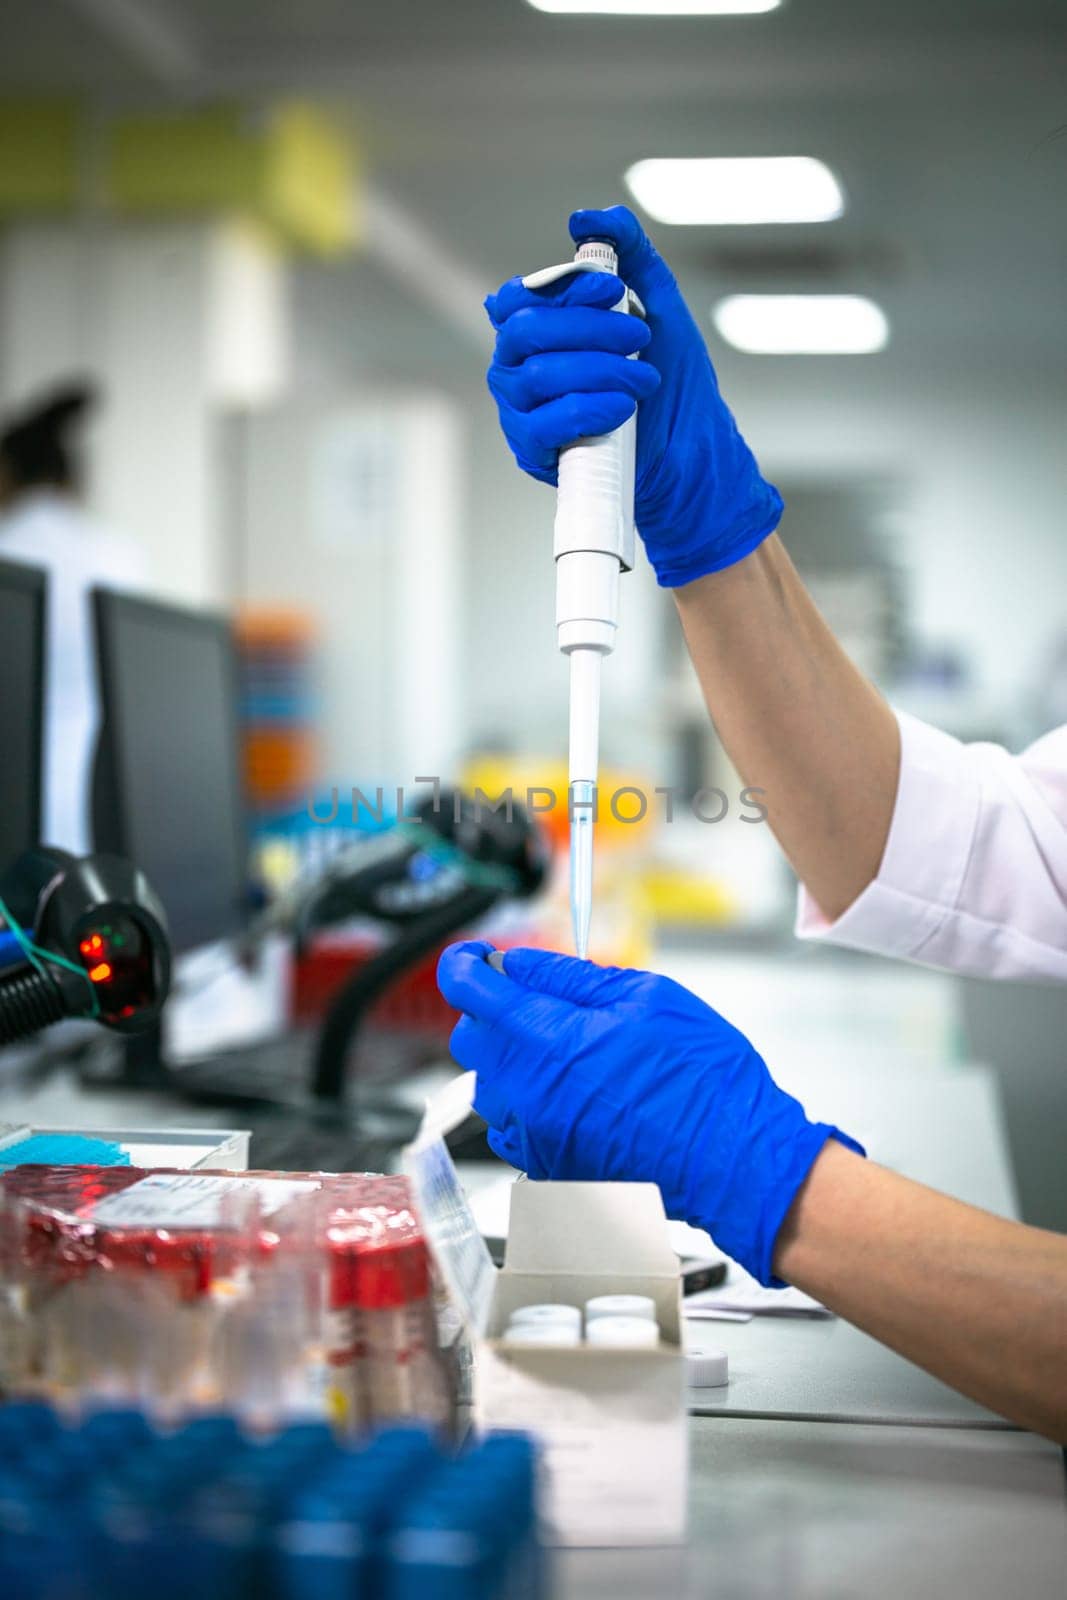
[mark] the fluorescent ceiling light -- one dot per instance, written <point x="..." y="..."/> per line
<point x="660" y="8"/>
<point x="749" y="189"/>
<point x="802" y="324"/>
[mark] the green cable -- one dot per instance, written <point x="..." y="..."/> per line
<point x="35" y="955"/>
<point x="24" y="944"/>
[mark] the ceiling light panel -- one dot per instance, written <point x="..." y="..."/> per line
<point x="658" y="8"/>
<point x="736" y="191"/>
<point x="802" y="324"/>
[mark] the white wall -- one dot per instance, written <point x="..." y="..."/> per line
<point x="982" y="461"/>
<point x="148" y="313"/>
<point x="352" y="513"/>
<point x="157" y="472"/>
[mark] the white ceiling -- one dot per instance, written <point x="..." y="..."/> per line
<point x="492" y="120"/>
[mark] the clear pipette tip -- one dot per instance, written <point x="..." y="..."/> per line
<point x="583" y="800"/>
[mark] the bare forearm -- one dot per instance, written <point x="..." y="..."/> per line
<point x="979" y="1302"/>
<point x="797" y="719"/>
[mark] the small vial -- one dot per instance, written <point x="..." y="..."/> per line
<point x="632" y="1333"/>
<point x="620" y="1305"/>
<point x="570" y="1316"/>
<point x="557" y="1335"/>
<point x="707" y="1367"/>
<point x="401" y="1366"/>
<point x="381" y="1341"/>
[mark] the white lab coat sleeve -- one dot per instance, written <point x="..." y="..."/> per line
<point x="974" y="876"/>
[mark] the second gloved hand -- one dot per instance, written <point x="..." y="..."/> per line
<point x="594" y="1073"/>
<point x="560" y="373"/>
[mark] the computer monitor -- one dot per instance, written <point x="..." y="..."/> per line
<point x="22" y="656"/>
<point x="167" y="790"/>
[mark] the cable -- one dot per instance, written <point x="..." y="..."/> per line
<point x="35" y="954"/>
<point x="31" y="1002"/>
<point x="351" y="1003"/>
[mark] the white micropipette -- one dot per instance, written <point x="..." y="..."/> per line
<point x="594" y="542"/>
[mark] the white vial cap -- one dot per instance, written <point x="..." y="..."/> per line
<point x="621" y="1305"/>
<point x="707" y="1367"/>
<point x="634" y="1333"/>
<point x="552" y="1334"/>
<point x="546" y="1313"/>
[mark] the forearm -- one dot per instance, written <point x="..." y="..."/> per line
<point x="979" y="1302"/>
<point x="797" y="719"/>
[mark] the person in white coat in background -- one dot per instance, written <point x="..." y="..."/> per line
<point x="43" y="524"/>
<point x="906" y="841"/>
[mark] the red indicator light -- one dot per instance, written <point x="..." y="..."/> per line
<point x="101" y="972"/>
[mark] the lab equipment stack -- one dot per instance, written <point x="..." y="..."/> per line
<point x="109" y="1504"/>
<point x="278" y="1295"/>
<point x="321" y="1307"/>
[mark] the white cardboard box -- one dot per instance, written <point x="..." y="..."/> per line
<point x="612" y="1423"/>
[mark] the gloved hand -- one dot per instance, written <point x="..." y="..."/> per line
<point x="589" y="1072"/>
<point x="560" y="372"/>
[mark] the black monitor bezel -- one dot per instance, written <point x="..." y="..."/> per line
<point x="110" y="607"/>
<point x="33" y="581"/>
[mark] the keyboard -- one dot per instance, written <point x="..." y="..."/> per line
<point x="273" y="1072"/>
<point x="298" y="1144"/>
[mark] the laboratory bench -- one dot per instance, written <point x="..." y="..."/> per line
<point x="829" y="1466"/>
<point x="850" y="1511"/>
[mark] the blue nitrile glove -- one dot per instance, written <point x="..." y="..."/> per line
<point x="560" y="373"/>
<point x="597" y="1073"/>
